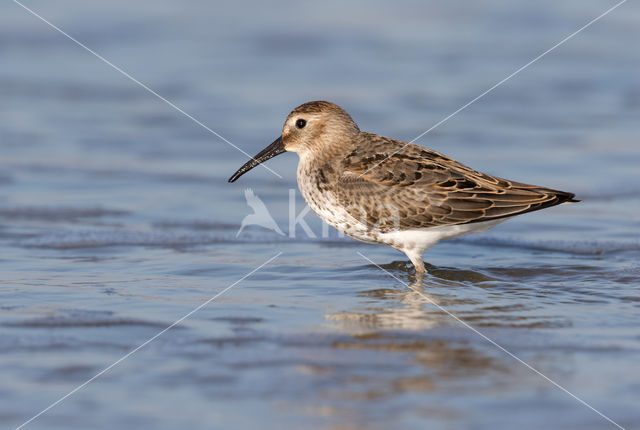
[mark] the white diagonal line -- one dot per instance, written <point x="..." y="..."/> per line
<point x="151" y="339"/>
<point x="493" y="342"/>
<point x="170" y="103"/>
<point x="472" y="101"/>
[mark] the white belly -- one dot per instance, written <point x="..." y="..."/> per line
<point x="420" y="240"/>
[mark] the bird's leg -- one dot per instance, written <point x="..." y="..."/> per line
<point x="416" y="258"/>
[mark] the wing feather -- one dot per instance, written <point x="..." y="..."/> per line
<point x="399" y="185"/>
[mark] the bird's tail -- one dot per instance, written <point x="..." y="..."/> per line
<point x="566" y="197"/>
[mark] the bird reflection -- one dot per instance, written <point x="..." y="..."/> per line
<point x="403" y="320"/>
<point x="410" y="316"/>
<point x="418" y="308"/>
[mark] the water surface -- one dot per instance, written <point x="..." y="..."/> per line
<point x="116" y="219"/>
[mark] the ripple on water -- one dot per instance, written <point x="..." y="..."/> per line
<point x="83" y="318"/>
<point x="578" y="247"/>
<point x="56" y="213"/>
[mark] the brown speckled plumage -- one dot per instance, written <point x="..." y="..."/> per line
<point x="428" y="189"/>
<point x="382" y="190"/>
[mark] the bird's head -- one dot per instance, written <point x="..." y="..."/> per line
<point x="310" y="128"/>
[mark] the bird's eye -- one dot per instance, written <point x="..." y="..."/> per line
<point x="301" y="123"/>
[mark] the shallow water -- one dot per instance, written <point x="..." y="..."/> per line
<point x="116" y="219"/>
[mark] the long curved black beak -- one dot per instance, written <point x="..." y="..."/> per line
<point x="276" y="148"/>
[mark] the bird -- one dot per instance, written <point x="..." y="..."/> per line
<point x="386" y="191"/>
<point x="260" y="215"/>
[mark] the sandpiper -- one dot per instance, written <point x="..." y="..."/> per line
<point x="386" y="191"/>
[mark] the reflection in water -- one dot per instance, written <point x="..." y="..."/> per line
<point x="410" y="315"/>
<point x="410" y="320"/>
<point x="402" y="321"/>
<point x="439" y="360"/>
<point x="411" y="306"/>
<point x="402" y="324"/>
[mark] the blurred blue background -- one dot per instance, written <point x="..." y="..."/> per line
<point x="116" y="218"/>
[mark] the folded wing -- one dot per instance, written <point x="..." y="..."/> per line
<point x="390" y="184"/>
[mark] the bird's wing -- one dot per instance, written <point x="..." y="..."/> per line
<point x="391" y="184"/>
